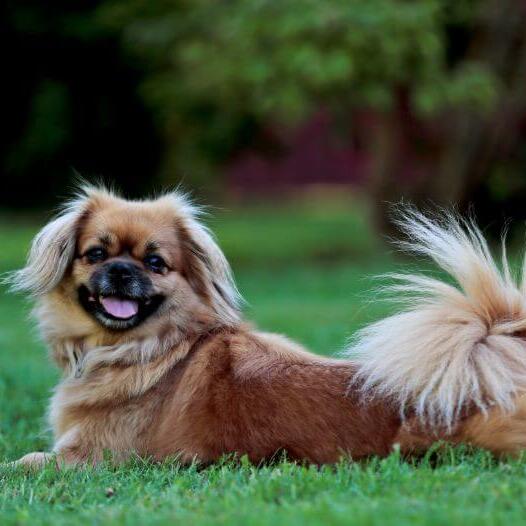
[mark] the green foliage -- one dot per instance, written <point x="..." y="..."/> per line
<point x="281" y="58"/>
<point x="214" y="68"/>
<point x="131" y="88"/>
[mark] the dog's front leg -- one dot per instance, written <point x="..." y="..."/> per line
<point x="74" y="448"/>
<point x="36" y="460"/>
<point x="69" y="450"/>
<point x="61" y="459"/>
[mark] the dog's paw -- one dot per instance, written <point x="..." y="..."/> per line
<point x="35" y="460"/>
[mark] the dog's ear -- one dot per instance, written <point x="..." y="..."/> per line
<point x="51" y="253"/>
<point x="53" y="248"/>
<point x="204" y="264"/>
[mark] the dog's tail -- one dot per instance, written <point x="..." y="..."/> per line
<point x="454" y="346"/>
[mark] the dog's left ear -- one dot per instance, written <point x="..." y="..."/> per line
<point x="204" y="264"/>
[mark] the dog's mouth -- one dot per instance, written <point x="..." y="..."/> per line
<point x="118" y="308"/>
<point x="118" y="312"/>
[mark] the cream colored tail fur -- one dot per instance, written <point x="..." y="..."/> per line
<point x="454" y="346"/>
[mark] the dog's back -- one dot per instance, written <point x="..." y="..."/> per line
<point x="257" y="394"/>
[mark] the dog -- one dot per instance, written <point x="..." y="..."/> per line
<point x="139" y="308"/>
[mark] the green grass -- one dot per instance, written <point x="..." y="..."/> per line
<point x="305" y="271"/>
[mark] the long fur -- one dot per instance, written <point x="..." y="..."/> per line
<point x="210" y="262"/>
<point x="455" y="347"/>
<point x="51" y="253"/>
<point x="53" y="248"/>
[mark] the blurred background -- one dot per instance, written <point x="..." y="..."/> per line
<point x="247" y="100"/>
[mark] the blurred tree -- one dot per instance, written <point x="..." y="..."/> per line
<point x="434" y="72"/>
<point x="442" y="81"/>
<point x="219" y="72"/>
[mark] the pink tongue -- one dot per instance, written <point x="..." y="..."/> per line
<point x="120" y="308"/>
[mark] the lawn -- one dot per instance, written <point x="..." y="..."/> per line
<point x="305" y="270"/>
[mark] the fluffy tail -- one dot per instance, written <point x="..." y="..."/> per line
<point x="454" y="346"/>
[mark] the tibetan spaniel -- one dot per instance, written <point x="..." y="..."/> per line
<point x="139" y="309"/>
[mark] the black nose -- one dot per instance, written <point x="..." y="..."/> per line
<point x="121" y="271"/>
<point x="121" y="278"/>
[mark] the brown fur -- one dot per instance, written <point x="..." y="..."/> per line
<point x="497" y="431"/>
<point x="214" y="401"/>
<point x="193" y="380"/>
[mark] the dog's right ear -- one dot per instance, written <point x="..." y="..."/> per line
<point x="53" y="248"/>
<point x="51" y="253"/>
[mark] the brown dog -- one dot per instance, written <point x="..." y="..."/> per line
<point x="138" y="306"/>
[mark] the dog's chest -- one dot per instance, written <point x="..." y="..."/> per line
<point x="117" y="426"/>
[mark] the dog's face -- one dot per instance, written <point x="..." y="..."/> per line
<point x="130" y="266"/>
<point x="130" y="260"/>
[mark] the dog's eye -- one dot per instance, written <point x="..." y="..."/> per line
<point x="94" y="255"/>
<point x="155" y="263"/>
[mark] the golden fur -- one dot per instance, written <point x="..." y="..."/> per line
<point x="454" y="348"/>
<point x="194" y="381"/>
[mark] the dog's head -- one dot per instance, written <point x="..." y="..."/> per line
<point x="118" y="266"/>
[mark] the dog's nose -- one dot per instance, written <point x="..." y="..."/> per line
<point x="121" y="271"/>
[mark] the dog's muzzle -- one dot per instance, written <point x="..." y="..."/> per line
<point x="120" y="295"/>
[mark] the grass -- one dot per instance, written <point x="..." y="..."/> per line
<point x="305" y="271"/>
